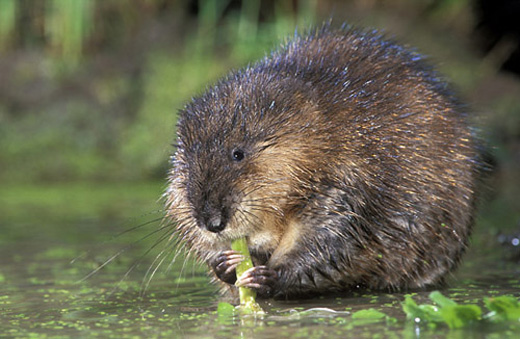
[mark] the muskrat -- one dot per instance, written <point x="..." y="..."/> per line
<point x="343" y="158"/>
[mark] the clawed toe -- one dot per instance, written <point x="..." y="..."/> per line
<point x="260" y="278"/>
<point x="225" y="265"/>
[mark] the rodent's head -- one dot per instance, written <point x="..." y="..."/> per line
<point x="245" y="151"/>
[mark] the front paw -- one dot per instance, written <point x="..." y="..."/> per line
<point x="225" y="265"/>
<point x="260" y="278"/>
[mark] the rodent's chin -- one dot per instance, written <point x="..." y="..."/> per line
<point x="262" y="239"/>
<point x="224" y="237"/>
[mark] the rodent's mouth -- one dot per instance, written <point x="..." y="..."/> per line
<point x="220" y="233"/>
<point x="224" y="224"/>
<point x="224" y="237"/>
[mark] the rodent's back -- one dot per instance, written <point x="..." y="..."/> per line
<point x="342" y="157"/>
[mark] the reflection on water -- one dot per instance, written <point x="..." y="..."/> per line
<point x="42" y="292"/>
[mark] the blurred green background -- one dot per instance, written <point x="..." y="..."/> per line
<point x="89" y="95"/>
<point x="89" y="90"/>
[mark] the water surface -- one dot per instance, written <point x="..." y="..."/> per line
<point x="44" y="294"/>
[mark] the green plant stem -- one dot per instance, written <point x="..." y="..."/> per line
<point x="247" y="296"/>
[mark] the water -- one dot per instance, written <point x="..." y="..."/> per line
<point x="42" y="293"/>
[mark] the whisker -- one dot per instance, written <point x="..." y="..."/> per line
<point x="190" y="250"/>
<point x="179" y="246"/>
<point x="132" y="229"/>
<point x="151" y="275"/>
<point x="139" y="260"/>
<point x="110" y="259"/>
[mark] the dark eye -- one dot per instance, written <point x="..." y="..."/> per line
<point x="237" y="154"/>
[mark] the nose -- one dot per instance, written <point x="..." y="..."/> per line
<point x="213" y="214"/>
<point x="215" y="224"/>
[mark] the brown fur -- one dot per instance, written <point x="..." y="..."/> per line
<point x="358" y="169"/>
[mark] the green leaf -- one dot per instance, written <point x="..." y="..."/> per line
<point x="426" y="313"/>
<point x="225" y="313"/>
<point x="368" y="314"/>
<point x="225" y="309"/>
<point x="503" y="308"/>
<point x="461" y="315"/>
<point x="453" y="314"/>
<point x="438" y="298"/>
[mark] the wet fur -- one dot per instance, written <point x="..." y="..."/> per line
<point x="359" y="166"/>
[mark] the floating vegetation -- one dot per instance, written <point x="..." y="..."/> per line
<point x="448" y="312"/>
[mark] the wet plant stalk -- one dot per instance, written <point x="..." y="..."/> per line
<point x="247" y="296"/>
